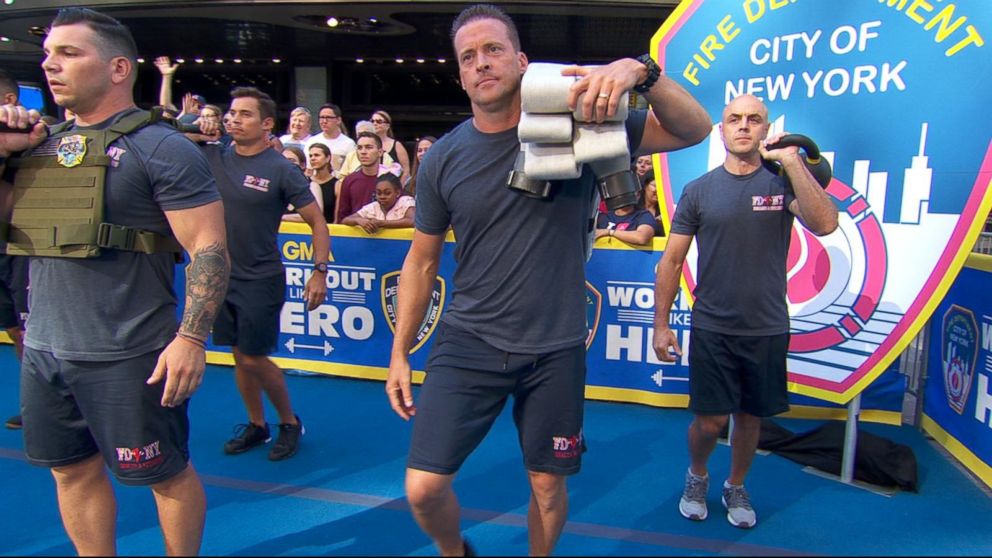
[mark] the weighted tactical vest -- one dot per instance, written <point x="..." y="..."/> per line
<point x="58" y="197"/>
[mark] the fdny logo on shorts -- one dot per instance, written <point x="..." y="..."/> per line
<point x="256" y="183"/>
<point x="390" y="286"/>
<point x="958" y="353"/>
<point x="767" y="203"/>
<point x="568" y="447"/>
<point x="71" y="150"/>
<point x="140" y="457"/>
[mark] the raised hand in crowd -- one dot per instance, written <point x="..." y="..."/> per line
<point x="165" y="67"/>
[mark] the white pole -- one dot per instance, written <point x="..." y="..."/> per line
<point x="850" y="440"/>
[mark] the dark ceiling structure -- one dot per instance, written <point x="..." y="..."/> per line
<point x="375" y="54"/>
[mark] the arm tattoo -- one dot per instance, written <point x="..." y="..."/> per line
<point x="206" y="287"/>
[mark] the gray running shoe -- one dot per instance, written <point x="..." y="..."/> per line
<point x="692" y="505"/>
<point x="739" y="511"/>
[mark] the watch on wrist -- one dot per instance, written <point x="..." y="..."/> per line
<point x="654" y="72"/>
<point x="321" y="267"/>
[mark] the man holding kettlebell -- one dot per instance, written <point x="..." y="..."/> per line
<point x="742" y="215"/>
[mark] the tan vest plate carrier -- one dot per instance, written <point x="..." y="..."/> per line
<point x="58" y="211"/>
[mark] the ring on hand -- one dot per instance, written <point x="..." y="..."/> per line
<point x="604" y="95"/>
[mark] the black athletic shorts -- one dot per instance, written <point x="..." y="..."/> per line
<point x="13" y="291"/>
<point x="73" y="409"/>
<point x="731" y="373"/>
<point x="468" y="382"/>
<point x="249" y="317"/>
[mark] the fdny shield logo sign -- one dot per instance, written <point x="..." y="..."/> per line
<point x="912" y="173"/>
<point x="71" y="150"/>
<point x="390" y="285"/>
<point x="594" y="310"/>
<point x="958" y="354"/>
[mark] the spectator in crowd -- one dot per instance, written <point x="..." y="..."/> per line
<point x="383" y="125"/>
<point x="332" y="134"/>
<point x="423" y="145"/>
<point x="192" y="105"/>
<point x="13" y="269"/>
<point x="168" y="71"/>
<point x="324" y="180"/>
<point x="631" y="224"/>
<point x="9" y="89"/>
<point x="213" y="113"/>
<point x="392" y="209"/>
<point x="299" y="128"/>
<point x="643" y="166"/>
<point x="358" y="188"/>
<point x="352" y="164"/>
<point x="106" y="376"/>
<point x="294" y="155"/>
<point x="256" y="185"/>
<point x="516" y="323"/>
<point x="649" y="193"/>
<point x="740" y="320"/>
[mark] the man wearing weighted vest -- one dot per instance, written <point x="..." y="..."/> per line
<point x="741" y="215"/>
<point x="104" y="204"/>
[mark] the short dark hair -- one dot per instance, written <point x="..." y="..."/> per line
<point x="390" y="179"/>
<point x="7" y="83"/>
<point x="378" y="140"/>
<point x="266" y="106"/>
<point x="114" y="39"/>
<point x="332" y="106"/>
<point x="486" y="11"/>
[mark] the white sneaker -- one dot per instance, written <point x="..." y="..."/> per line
<point x="739" y="511"/>
<point x="692" y="505"/>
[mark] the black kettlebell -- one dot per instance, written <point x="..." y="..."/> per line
<point x="818" y="166"/>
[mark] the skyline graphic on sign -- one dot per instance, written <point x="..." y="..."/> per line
<point x="894" y="114"/>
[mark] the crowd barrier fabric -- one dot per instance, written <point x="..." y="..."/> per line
<point x="890" y="90"/>
<point x="351" y="333"/>
<point x="958" y="396"/>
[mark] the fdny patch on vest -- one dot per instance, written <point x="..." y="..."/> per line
<point x="71" y="150"/>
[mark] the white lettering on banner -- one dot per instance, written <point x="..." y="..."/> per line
<point x="624" y="297"/>
<point x="337" y="278"/>
<point x="987" y="336"/>
<point x="837" y="81"/>
<point x="357" y="322"/>
<point x="779" y="87"/>
<point x="633" y="340"/>
<point x="845" y="38"/>
<point x="770" y="50"/>
<point x="983" y="401"/>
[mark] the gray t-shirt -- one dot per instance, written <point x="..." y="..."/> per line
<point x="742" y="226"/>
<point x="256" y="190"/>
<point x="519" y="283"/>
<point x="121" y="304"/>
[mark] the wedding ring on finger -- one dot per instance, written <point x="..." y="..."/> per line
<point x="604" y="95"/>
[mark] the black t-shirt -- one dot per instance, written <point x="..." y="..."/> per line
<point x="742" y="226"/>
<point x="255" y="191"/>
